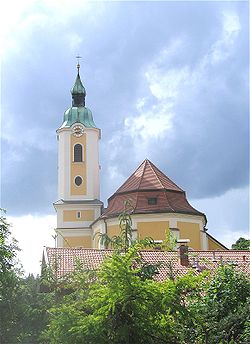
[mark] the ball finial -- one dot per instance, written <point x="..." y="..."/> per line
<point x="78" y="62"/>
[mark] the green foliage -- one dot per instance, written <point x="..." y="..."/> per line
<point x="122" y="302"/>
<point x="220" y="309"/>
<point x="120" y="307"/>
<point x="23" y="309"/>
<point x="125" y="239"/>
<point x="170" y="241"/>
<point x="8" y="245"/>
<point x="227" y="304"/>
<point x="227" y="290"/>
<point x="31" y="310"/>
<point x="9" y="281"/>
<point x="241" y="244"/>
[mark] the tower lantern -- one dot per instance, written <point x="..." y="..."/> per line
<point x="78" y="91"/>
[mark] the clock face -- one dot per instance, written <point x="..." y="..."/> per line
<point x="78" y="130"/>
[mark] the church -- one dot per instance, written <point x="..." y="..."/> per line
<point x="158" y="204"/>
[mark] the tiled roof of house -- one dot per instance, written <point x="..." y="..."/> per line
<point x="145" y="183"/>
<point x="64" y="260"/>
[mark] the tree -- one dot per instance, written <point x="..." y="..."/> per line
<point x="23" y="309"/>
<point x="124" y="303"/>
<point x="241" y="244"/>
<point x="8" y="245"/>
<point x="9" y="282"/>
<point x="120" y="307"/>
<point x="219" y="310"/>
<point x="125" y="239"/>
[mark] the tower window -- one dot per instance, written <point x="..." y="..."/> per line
<point x="78" y="214"/>
<point x="152" y="201"/>
<point x="77" y="153"/>
<point x="78" y="181"/>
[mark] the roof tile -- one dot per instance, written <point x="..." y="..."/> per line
<point x="64" y="260"/>
<point x="148" y="176"/>
<point x="149" y="182"/>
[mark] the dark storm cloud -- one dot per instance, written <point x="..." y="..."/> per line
<point x="206" y="155"/>
<point x="30" y="182"/>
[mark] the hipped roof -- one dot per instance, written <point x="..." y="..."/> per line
<point x="148" y="176"/>
<point x="149" y="182"/>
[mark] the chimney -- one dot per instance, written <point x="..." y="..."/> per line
<point x="183" y="252"/>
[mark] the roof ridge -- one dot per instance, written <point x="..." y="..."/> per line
<point x="148" y="176"/>
<point x="130" y="177"/>
<point x="151" y="166"/>
<point x="170" y="204"/>
<point x="166" y="177"/>
<point x="145" y="162"/>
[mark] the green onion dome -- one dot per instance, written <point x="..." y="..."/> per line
<point x="78" y="115"/>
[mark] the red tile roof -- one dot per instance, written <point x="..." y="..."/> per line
<point x="64" y="260"/>
<point x="146" y="177"/>
<point x="149" y="182"/>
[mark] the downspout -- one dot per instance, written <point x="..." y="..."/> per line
<point x="106" y="230"/>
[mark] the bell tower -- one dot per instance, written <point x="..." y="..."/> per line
<point x="78" y="173"/>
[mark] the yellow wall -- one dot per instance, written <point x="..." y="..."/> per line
<point x="96" y="239"/>
<point x="213" y="245"/>
<point x="190" y="231"/>
<point x="113" y="230"/>
<point x="83" y="241"/>
<point x="156" y="230"/>
<point x="78" y="168"/>
<point x="71" y="215"/>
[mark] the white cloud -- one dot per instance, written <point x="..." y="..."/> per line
<point x="228" y="215"/>
<point x="114" y="174"/>
<point x="32" y="233"/>
<point x="166" y="85"/>
<point x="169" y="52"/>
<point x="228" y="237"/>
<point x="20" y="18"/>
<point x="150" y="124"/>
<point x="74" y="41"/>
<point x="221" y="49"/>
<point x="35" y="137"/>
<point x="156" y="121"/>
<point x="231" y="25"/>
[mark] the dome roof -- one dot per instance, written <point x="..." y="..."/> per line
<point x="78" y="115"/>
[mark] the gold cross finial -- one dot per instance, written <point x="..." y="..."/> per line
<point x="78" y="60"/>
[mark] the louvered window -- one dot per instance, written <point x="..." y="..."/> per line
<point x="152" y="201"/>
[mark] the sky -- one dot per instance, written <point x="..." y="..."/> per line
<point x="167" y="81"/>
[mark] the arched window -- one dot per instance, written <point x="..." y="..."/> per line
<point x="78" y="153"/>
